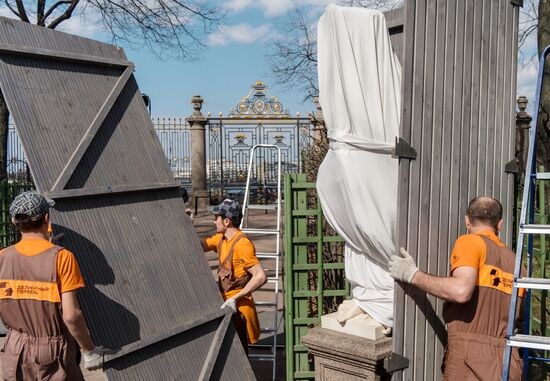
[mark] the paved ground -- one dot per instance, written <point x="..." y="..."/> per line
<point x="264" y="243"/>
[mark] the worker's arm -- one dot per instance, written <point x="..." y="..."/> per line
<point x="74" y="320"/>
<point x="258" y="280"/>
<point x="204" y="245"/>
<point x="457" y="288"/>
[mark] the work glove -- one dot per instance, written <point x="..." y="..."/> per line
<point x="402" y="267"/>
<point x="94" y="359"/>
<point x="230" y="303"/>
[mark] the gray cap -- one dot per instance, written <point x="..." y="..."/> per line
<point x="30" y="204"/>
<point x="228" y="208"/>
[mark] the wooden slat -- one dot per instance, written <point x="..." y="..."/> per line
<point x="101" y="191"/>
<point x="77" y="155"/>
<point x="214" y="350"/>
<point x="58" y="55"/>
<point x="127" y="349"/>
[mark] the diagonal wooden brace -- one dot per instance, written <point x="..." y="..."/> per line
<point x="214" y="350"/>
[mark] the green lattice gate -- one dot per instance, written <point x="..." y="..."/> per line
<point x="314" y="268"/>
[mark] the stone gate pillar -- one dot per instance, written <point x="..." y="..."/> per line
<point x="199" y="194"/>
<point x="523" y="122"/>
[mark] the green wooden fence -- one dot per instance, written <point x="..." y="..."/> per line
<point x="315" y="281"/>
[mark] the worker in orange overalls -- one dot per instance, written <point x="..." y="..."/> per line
<point x="38" y="304"/>
<point x="477" y="296"/>
<point x="240" y="272"/>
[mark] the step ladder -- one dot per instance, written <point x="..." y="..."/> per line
<point x="526" y="227"/>
<point x="273" y="257"/>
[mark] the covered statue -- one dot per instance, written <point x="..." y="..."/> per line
<point x="360" y="95"/>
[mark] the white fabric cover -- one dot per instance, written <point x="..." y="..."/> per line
<point x="360" y="95"/>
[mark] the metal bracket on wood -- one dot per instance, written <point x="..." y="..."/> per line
<point x="518" y="3"/>
<point x="403" y="150"/>
<point x="511" y="167"/>
<point x="135" y="346"/>
<point x="395" y="363"/>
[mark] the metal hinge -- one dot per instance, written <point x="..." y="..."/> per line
<point x="395" y="363"/>
<point x="511" y="166"/>
<point x="518" y="3"/>
<point x="403" y="149"/>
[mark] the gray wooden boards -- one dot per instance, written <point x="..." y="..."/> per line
<point x="395" y="20"/>
<point x="91" y="146"/>
<point x="459" y="79"/>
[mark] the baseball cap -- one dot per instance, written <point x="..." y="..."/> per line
<point x="30" y="204"/>
<point x="228" y="208"/>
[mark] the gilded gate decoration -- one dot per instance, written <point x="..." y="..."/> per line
<point x="258" y="118"/>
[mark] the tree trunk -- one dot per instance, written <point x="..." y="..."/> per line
<point x="543" y="125"/>
<point x="4" y="123"/>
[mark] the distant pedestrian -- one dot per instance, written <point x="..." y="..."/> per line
<point x="38" y="304"/>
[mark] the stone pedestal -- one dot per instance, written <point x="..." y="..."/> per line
<point x="343" y="357"/>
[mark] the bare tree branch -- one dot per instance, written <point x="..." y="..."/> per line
<point x="65" y="15"/>
<point x="40" y="21"/>
<point x="293" y="60"/>
<point x="54" y="7"/>
<point x="21" y="11"/>
<point x="10" y="7"/>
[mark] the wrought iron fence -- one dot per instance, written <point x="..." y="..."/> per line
<point x="175" y="139"/>
<point x="229" y="142"/>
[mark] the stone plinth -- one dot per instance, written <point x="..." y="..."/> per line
<point x="342" y="357"/>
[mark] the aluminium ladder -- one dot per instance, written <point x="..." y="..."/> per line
<point x="530" y="229"/>
<point x="272" y="273"/>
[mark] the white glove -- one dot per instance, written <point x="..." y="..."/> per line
<point x="230" y="303"/>
<point x="402" y="267"/>
<point x="94" y="359"/>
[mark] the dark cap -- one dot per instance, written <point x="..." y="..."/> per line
<point x="229" y="209"/>
<point x="31" y="205"/>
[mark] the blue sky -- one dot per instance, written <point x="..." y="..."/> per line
<point x="236" y="57"/>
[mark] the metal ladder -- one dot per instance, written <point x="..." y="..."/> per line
<point x="530" y="229"/>
<point x="272" y="273"/>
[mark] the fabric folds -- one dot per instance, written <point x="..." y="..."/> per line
<point x="360" y="95"/>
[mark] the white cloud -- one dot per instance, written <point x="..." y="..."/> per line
<point x="527" y="81"/>
<point x="237" y="5"/>
<point x="276" y="8"/>
<point x="241" y="33"/>
<point x="84" y="24"/>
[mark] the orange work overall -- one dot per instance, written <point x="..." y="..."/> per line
<point x="38" y="345"/>
<point x="477" y="329"/>
<point x="246" y="320"/>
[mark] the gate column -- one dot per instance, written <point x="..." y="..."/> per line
<point x="199" y="195"/>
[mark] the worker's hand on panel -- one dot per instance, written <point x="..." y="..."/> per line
<point x="402" y="267"/>
<point x="230" y="303"/>
<point x="94" y="359"/>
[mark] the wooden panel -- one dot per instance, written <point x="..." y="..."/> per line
<point x="458" y="94"/>
<point x="149" y="293"/>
